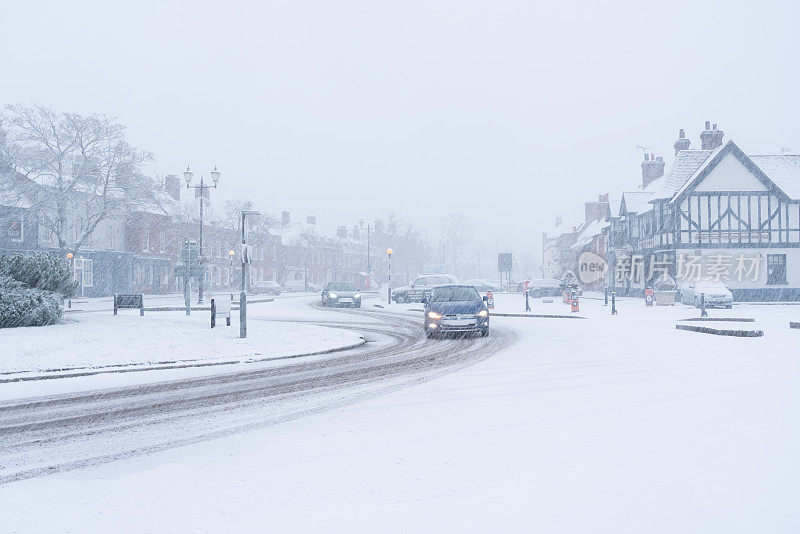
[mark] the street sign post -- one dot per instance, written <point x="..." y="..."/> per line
<point x="648" y="297"/>
<point x="575" y="305"/>
<point x="490" y="300"/>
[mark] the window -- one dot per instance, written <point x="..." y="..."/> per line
<point x="88" y="273"/>
<point x="776" y="269"/>
<point x="14" y="230"/>
<point x="146" y="241"/>
<point x="162" y="241"/>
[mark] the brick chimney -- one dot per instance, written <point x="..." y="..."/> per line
<point x="652" y="169"/>
<point x="558" y="221"/>
<point x="341" y="231"/>
<point x="172" y="184"/>
<point x="711" y="138"/>
<point x="682" y="143"/>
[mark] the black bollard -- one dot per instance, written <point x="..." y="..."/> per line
<point x="703" y="312"/>
<point x="606" y="298"/>
<point x="527" y="302"/>
<point x="213" y="313"/>
<point x="613" y="303"/>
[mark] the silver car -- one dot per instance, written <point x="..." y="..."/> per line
<point x="715" y="294"/>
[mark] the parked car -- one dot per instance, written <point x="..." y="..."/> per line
<point x="267" y="287"/>
<point x="341" y="294"/>
<point x="716" y="294"/>
<point x="296" y="285"/>
<point x="482" y="286"/>
<point x="544" y="287"/>
<point x="455" y="308"/>
<point x="421" y="287"/>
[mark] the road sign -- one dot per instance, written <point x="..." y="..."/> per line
<point x="648" y="297"/>
<point x="575" y="306"/>
<point x="490" y="300"/>
<point x="504" y="262"/>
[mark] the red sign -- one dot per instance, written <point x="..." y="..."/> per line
<point x="490" y="300"/>
<point x="648" y="297"/>
<point x="575" y="306"/>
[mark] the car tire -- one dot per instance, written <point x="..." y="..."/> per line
<point x="485" y="332"/>
<point x="429" y="333"/>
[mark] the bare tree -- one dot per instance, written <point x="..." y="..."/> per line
<point x="78" y="170"/>
<point x="457" y="240"/>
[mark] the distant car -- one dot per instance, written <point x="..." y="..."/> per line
<point x="421" y="287"/>
<point x="296" y="285"/>
<point x="482" y="286"/>
<point x="716" y="294"/>
<point x="341" y="294"/>
<point x="267" y="287"/>
<point x="455" y="308"/>
<point x="544" y="287"/>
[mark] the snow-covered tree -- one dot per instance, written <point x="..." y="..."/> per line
<point x="78" y="171"/>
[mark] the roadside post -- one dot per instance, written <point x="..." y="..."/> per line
<point x="648" y="298"/>
<point x="247" y="252"/>
<point x="575" y="304"/>
<point x="389" y="289"/>
<point x="490" y="300"/>
<point x="613" y="303"/>
<point x="527" y="302"/>
<point x="703" y="312"/>
<point x="605" y="303"/>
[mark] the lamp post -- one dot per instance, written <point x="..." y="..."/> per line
<point x="187" y="175"/>
<point x="369" y="279"/>
<point x="245" y="261"/>
<point x="231" y="277"/>
<point x="389" y="290"/>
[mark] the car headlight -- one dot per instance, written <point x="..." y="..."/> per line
<point x="434" y="315"/>
<point x="331" y="295"/>
<point x="483" y="313"/>
<point x="357" y="296"/>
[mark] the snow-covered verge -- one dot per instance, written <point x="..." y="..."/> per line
<point x="102" y="339"/>
<point x="613" y="424"/>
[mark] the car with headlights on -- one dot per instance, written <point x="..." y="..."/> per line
<point x="455" y="308"/>
<point x="421" y="287"/>
<point x="341" y="294"/>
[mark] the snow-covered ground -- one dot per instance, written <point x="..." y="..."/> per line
<point x="101" y="339"/>
<point x="609" y="424"/>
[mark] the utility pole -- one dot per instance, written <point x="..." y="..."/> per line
<point x="389" y="291"/>
<point x="245" y="262"/>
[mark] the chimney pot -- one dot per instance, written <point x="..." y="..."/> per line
<point x="681" y="134"/>
<point x="708" y="125"/>
<point x="714" y="127"/>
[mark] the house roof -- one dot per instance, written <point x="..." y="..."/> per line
<point x="783" y="169"/>
<point x="715" y="157"/>
<point x="558" y="231"/>
<point x="590" y="230"/>
<point x="636" y="201"/>
<point x="685" y="165"/>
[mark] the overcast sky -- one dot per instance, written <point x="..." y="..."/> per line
<point x="510" y="111"/>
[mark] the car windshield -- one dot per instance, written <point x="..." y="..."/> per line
<point x="455" y="294"/>
<point x="433" y="280"/>
<point x="342" y="286"/>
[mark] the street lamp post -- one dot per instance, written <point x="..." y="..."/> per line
<point x="187" y="175"/>
<point x="389" y="290"/>
<point x="230" y="275"/>
<point x="245" y="261"/>
<point x="369" y="280"/>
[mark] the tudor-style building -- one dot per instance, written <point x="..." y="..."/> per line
<point x="716" y="209"/>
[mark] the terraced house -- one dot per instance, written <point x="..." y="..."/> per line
<point x="717" y="214"/>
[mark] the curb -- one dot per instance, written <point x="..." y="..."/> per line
<point x="134" y="367"/>
<point x="719" y="332"/>
<point x="721" y="319"/>
<point x="537" y="315"/>
<point x="175" y="308"/>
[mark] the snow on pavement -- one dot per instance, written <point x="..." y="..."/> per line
<point x="102" y="339"/>
<point x="612" y="424"/>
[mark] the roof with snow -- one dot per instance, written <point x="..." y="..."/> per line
<point x="558" y="231"/>
<point x="783" y="169"/>
<point x="636" y="201"/>
<point x="589" y="232"/>
<point x="686" y="163"/>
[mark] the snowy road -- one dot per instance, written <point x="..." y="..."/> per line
<point x="46" y="435"/>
